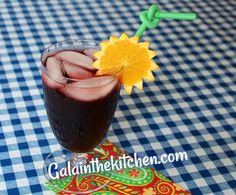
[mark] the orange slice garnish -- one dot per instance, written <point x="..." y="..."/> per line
<point x="131" y="59"/>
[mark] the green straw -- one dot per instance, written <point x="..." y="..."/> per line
<point x="150" y="18"/>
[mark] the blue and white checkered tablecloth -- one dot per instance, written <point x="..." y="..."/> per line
<point x="190" y="107"/>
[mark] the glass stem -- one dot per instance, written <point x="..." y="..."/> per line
<point x="78" y="159"/>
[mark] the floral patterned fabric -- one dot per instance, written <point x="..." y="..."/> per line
<point x="138" y="180"/>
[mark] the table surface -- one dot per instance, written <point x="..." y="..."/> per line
<point x="190" y="107"/>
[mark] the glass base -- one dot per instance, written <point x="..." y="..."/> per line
<point x="76" y="173"/>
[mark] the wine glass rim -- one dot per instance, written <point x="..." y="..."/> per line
<point x="47" y="48"/>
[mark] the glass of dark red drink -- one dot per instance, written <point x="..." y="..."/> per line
<point x="80" y="105"/>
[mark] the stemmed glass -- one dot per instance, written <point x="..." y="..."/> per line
<point x="80" y="111"/>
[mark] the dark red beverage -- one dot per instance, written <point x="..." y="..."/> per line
<point x="79" y="104"/>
